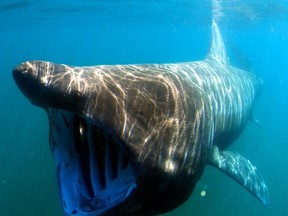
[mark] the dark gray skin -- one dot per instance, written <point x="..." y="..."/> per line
<point x="170" y="120"/>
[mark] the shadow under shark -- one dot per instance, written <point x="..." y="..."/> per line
<point x="134" y="139"/>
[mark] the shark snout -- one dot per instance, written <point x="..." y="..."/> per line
<point x="25" y="77"/>
<point x="23" y="70"/>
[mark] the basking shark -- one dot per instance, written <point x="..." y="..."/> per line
<point x="134" y="139"/>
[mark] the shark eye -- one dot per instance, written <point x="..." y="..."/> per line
<point x="29" y="70"/>
<point x="76" y="94"/>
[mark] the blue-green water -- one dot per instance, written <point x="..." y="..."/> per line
<point x="111" y="31"/>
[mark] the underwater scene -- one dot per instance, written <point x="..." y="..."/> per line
<point x="216" y="37"/>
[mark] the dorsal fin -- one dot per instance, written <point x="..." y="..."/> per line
<point x="217" y="49"/>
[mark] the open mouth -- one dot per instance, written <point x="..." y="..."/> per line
<point x="94" y="172"/>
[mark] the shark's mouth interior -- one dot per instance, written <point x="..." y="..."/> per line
<point x="94" y="172"/>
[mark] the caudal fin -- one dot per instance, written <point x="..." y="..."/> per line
<point x="242" y="171"/>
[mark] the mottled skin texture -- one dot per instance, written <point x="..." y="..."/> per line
<point x="167" y="117"/>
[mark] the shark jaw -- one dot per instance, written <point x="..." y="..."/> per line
<point x="97" y="175"/>
<point x="94" y="172"/>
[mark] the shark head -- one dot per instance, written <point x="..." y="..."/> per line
<point x="134" y="139"/>
<point x="119" y="137"/>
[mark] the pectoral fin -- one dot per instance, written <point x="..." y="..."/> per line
<point x="242" y="171"/>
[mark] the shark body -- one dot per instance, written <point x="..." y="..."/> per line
<point x="134" y="139"/>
